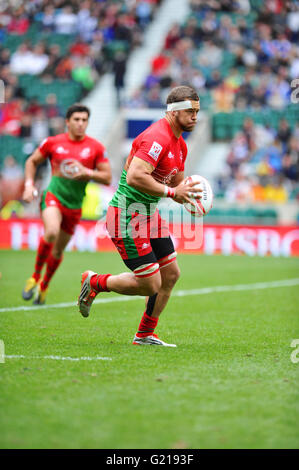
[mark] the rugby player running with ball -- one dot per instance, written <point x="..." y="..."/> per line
<point x="154" y="169"/>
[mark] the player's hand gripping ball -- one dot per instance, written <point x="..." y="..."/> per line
<point x="203" y="205"/>
<point x="68" y="169"/>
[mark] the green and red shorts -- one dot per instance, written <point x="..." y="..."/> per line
<point x="143" y="241"/>
<point x="70" y="217"/>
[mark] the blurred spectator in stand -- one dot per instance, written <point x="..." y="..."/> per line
<point x="40" y="127"/>
<point x="153" y="98"/>
<point x="209" y="57"/>
<point x="240" y="189"/>
<point x="249" y="133"/>
<point x="137" y="100"/>
<point x="143" y="13"/>
<point x="284" y="132"/>
<point x="213" y="80"/>
<point x="122" y="30"/>
<point x="21" y="59"/>
<point x="26" y="126"/>
<point x="86" y="23"/>
<point x="294" y="62"/>
<point x="57" y="126"/>
<point x="64" y="68"/>
<point x="33" y="106"/>
<point x="293" y="153"/>
<point x="264" y="135"/>
<point x="11" y="180"/>
<point x="19" y="22"/>
<point x="119" y="71"/>
<point x="66" y="21"/>
<point x="51" y="108"/>
<point x="275" y="153"/>
<point x="258" y="98"/>
<point x="39" y="60"/>
<point x="28" y="61"/>
<point x="172" y="37"/>
<point x="83" y="72"/>
<point x="239" y="152"/>
<point x="54" y="59"/>
<point x="48" y="19"/>
<point x="275" y="192"/>
<point x="4" y="57"/>
<point x="290" y="167"/>
<point x="223" y="98"/>
<point x="11" y="113"/>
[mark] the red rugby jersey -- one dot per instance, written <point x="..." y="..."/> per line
<point x="61" y="151"/>
<point x="161" y="148"/>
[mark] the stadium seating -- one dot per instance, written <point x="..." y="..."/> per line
<point x="225" y="125"/>
<point x="12" y="146"/>
<point x="238" y="56"/>
<point x="71" y="55"/>
<point x="95" y="35"/>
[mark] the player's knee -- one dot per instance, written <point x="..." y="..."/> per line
<point x="149" y="279"/>
<point x="171" y="278"/>
<point x="150" y="287"/>
<point x="51" y="235"/>
<point x="175" y="275"/>
<point x="153" y="287"/>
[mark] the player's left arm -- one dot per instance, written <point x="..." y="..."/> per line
<point x="101" y="174"/>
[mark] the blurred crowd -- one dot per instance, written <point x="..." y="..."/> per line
<point x="99" y="34"/>
<point x="238" y="54"/>
<point x="262" y="165"/>
<point x="241" y="55"/>
<point x="69" y="41"/>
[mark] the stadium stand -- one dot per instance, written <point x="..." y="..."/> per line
<point x="52" y="54"/>
<point x="242" y="57"/>
<point x="62" y="49"/>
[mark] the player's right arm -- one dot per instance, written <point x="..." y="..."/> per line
<point x="139" y="177"/>
<point x="30" y="191"/>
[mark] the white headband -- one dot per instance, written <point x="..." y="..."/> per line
<point x="186" y="104"/>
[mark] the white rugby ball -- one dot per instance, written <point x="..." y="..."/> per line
<point x="203" y="205"/>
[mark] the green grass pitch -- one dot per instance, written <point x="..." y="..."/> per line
<point x="230" y="383"/>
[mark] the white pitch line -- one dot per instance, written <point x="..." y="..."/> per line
<point x="59" y="358"/>
<point x="179" y="293"/>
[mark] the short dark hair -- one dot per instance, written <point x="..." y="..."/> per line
<point x="77" y="108"/>
<point x="181" y="93"/>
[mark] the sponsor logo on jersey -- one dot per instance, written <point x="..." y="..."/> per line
<point x="155" y="150"/>
<point x="61" y="150"/>
<point x="145" y="245"/>
<point x="170" y="155"/>
<point x="85" y="152"/>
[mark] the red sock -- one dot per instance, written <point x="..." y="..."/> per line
<point x="98" y="282"/>
<point x="52" y="265"/>
<point x="43" y="251"/>
<point x="147" y="325"/>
